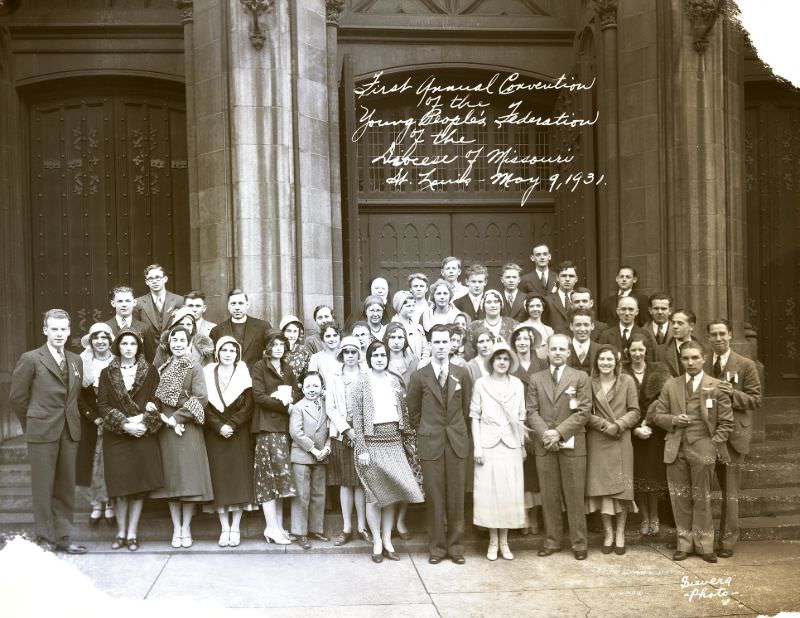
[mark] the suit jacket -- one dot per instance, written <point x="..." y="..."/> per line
<point x="308" y="426"/>
<point x="464" y="304"/>
<point x="42" y="401"/>
<point x="718" y="418"/>
<point x="746" y="397"/>
<point x="204" y="327"/>
<point x="608" y="308"/>
<point x="517" y="311"/>
<point x="559" y="318"/>
<point x="145" y="311"/>
<point x="612" y="336"/>
<point x="440" y="419"/>
<point x="255" y="338"/>
<point x="531" y="284"/>
<point x="144" y="332"/>
<point x="587" y="364"/>
<point x="549" y="408"/>
<point x="667" y="354"/>
<point x="649" y="328"/>
<point x="599" y="329"/>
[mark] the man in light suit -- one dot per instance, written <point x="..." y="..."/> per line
<point x="154" y="309"/>
<point x="659" y="308"/>
<point x="560" y="301"/>
<point x="739" y="380"/>
<point x="123" y="303"/>
<point x="541" y="280"/>
<point x="250" y="332"/>
<point x="196" y="301"/>
<point x="558" y="404"/>
<point x="438" y="401"/>
<point x="513" y="299"/>
<point x="44" y="396"/>
<point x="696" y="414"/>
<point x="626" y="279"/>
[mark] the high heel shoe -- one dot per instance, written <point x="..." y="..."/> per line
<point x="108" y="512"/>
<point x="186" y="540"/>
<point x="505" y="551"/>
<point x="234" y="538"/>
<point x="278" y="539"/>
<point x="176" y="539"/>
<point x="224" y="539"/>
<point x="491" y="552"/>
<point x="391" y="555"/>
<point x="365" y="535"/>
<point x="96" y="515"/>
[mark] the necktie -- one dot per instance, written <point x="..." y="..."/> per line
<point x="625" y="334"/>
<point x="510" y="299"/>
<point x="659" y="335"/>
<point x="555" y="376"/>
<point x="567" y="302"/>
<point x="62" y="365"/>
<point x="717" y="368"/>
<point x="443" y="377"/>
<point x="541" y="278"/>
<point x="582" y="356"/>
<point x="689" y="388"/>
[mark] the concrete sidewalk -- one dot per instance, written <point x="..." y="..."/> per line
<point x="762" y="578"/>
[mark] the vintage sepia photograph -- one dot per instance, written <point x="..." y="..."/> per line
<point x="400" y="307"/>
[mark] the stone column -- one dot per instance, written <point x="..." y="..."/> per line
<point x="263" y="215"/>
<point x="334" y="10"/>
<point x="704" y="137"/>
<point x="609" y="222"/>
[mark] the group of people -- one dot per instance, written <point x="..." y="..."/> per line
<point x="517" y="394"/>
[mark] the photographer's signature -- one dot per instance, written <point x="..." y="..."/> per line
<point x="713" y="588"/>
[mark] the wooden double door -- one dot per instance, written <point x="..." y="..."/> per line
<point x="396" y="243"/>
<point x="108" y="195"/>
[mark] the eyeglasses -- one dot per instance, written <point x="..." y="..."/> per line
<point x="159" y="278"/>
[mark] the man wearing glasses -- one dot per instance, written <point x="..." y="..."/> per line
<point x="154" y="308"/>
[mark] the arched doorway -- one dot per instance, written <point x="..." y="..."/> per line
<point x="108" y="192"/>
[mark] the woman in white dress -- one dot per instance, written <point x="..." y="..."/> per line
<point x="497" y="411"/>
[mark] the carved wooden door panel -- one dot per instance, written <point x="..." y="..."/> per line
<point x="772" y="187"/>
<point x="396" y="244"/>
<point x="109" y="195"/>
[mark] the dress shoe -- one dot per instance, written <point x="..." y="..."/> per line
<point x="580" y="554"/>
<point x="724" y="553"/>
<point x="644" y="529"/>
<point x="133" y="544"/>
<point x="391" y="555"/>
<point x="458" y="559"/>
<point x="405" y="536"/>
<point x="186" y="541"/>
<point x="365" y="535"/>
<point x="118" y="543"/>
<point x="95" y="516"/>
<point x="491" y="552"/>
<point x="546" y="551"/>
<point x="679" y="555"/>
<point x="108" y="512"/>
<point x="505" y="551"/>
<point x="607" y="549"/>
<point x="434" y="559"/>
<point x="319" y="537"/>
<point x="302" y="541"/>
<point x="654" y="527"/>
<point x="276" y="537"/>
<point x="235" y="538"/>
<point x="176" y="539"/>
<point x="620" y="551"/>
<point x="377" y="558"/>
<point x="712" y="557"/>
<point x="343" y="539"/>
<point x="71" y="548"/>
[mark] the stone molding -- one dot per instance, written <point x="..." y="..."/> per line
<point x="333" y="10"/>
<point x="703" y="14"/>
<point x="606" y="11"/>
<point x="256" y="8"/>
<point x="186" y="7"/>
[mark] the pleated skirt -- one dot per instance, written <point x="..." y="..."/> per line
<point x="388" y="477"/>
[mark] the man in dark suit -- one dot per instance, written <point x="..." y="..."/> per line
<point x="438" y="400"/>
<point x="541" y="280"/>
<point x="626" y="279"/>
<point x="582" y="348"/>
<point x="659" y="308"/>
<point x="154" y="309"/>
<point x="123" y="302"/>
<point x="620" y="335"/>
<point x="250" y="332"/>
<point x="44" y="396"/>
<point x="582" y="299"/>
<point x="560" y="301"/>
<point x="696" y="414"/>
<point x="739" y="380"/>
<point x="513" y="299"/>
<point x="196" y="301"/>
<point x="558" y="403"/>
<point x="472" y="302"/>
<point x="682" y="322"/>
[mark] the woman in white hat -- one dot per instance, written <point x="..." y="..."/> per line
<point x="96" y="356"/>
<point x="201" y="348"/>
<point x="497" y="411"/>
